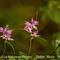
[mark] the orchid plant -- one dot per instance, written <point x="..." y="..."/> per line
<point x="6" y="35"/>
<point x="31" y="27"/>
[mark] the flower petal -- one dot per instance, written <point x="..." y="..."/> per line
<point x="34" y="22"/>
<point x="27" y="23"/>
<point x="34" y="27"/>
<point x="28" y="29"/>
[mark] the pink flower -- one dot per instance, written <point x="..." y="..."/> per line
<point x="30" y="26"/>
<point x="6" y="33"/>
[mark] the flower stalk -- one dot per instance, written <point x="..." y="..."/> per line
<point x="31" y="27"/>
<point x="30" y="46"/>
<point x="4" y="52"/>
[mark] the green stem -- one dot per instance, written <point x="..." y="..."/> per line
<point x="4" y="48"/>
<point x="11" y="46"/>
<point x="30" y="46"/>
<point x="6" y="42"/>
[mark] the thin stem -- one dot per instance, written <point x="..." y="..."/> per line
<point x="30" y="46"/>
<point x="55" y="49"/>
<point x="11" y="46"/>
<point x="6" y="42"/>
<point x="4" y="48"/>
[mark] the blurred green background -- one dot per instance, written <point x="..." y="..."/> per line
<point x="16" y="12"/>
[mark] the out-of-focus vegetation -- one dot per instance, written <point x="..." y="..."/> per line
<point x="16" y="12"/>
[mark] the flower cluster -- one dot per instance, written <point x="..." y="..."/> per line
<point x="6" y="33"/>
<point x="31" y="27"/>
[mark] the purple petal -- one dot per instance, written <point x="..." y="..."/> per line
<point x="28" y="29"/>
<point x="34" y="22"/>
<point x="27" y="23"/>
<point x="5" y="30"/>
<point x="9" y="31"/>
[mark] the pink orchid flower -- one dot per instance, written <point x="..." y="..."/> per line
<point x="29" y="26"/>
<point x="6" y="33"/>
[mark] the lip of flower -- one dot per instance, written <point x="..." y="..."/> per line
<point x="6" y="37"/>
<point x="34" y="27"/>
<point x="34" y="34"/>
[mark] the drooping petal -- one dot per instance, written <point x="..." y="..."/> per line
<point x="28" y="26"/>
<point x="28" y="29"/>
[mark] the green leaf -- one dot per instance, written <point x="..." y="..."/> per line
<point x="42" y="41"/>
<point x="11" y="46"/>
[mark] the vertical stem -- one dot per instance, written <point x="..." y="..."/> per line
<point x="4" y="48"/>
<point x="4" y="52"/>
<point x="30" y="46"/>
<point x="11" y="46"/>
